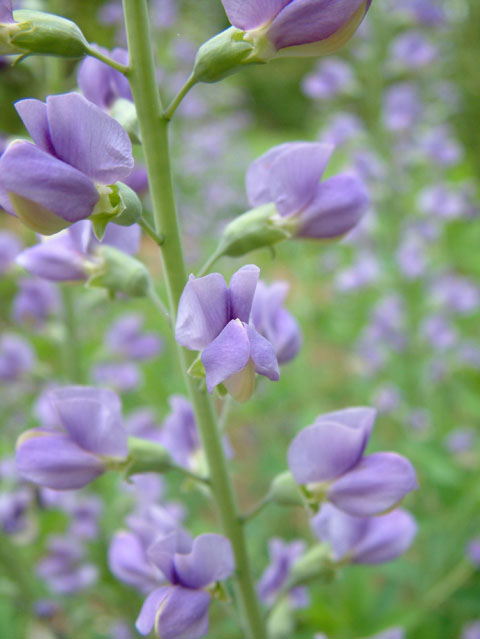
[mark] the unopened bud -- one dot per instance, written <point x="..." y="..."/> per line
<point x="119" y="273"/>
<point x="147" y="457"/>
<point x="285" y="491"/>
<point x="316" y="564"/>
<point x="281" y="621"/>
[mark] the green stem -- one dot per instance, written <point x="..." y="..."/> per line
<point x="156" y="237"/>
<point x="107" y="60"/>
<point x="153" y="128"/>
<point x="71" y="342"/>
<point x="209" y="263"/>
<point x="157" y="302"/>
<point x="190" y="475"/>
<point x="175" y="103"/>
<point x="257" y="509"/>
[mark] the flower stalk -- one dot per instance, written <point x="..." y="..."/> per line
<point x="154" y="132"/>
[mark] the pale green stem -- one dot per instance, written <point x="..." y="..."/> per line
<point x="153" y="128"/>
<point x="160" y="306"/>
<point x="107" y="60"/>
<point x="214" y="257"/>
<point x="257" y="509"/>
<point x="156" y="237"/>
<point x="175" y="103"/>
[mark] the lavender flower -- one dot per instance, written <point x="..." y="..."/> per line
<point x="402" y="107"/>
<point x="391" y="633"/>
<point x="365" y="540"/>
<point x="10" y="247"/>
<point x="282" y="557"/>
<point x="14" y="508"/>
<point x="90" y="438"/>
<point x="289" y="177"/>
<point x="328" y="460"/>
<point x="274" y="322"/>
<point x="441" y="147"/>
<point x="73" y="254"/>
<point x="60" y="178"/>
<point x="330" y="78"/>
<point x="471" y="630"/>
<point x="121" y="377"/>
<point x="214" y="319"/>
<point x="101" y="84"/>
<point x="35" y="301"/>
<point x="412" y="50"/>
<point x="126" y="339"/>
<point x="296" y="27"/>
<point x="461" y="440"/>
<point x="16" y="357"/>
<point x="181" y="608"/>
<point x="64" y="569"/>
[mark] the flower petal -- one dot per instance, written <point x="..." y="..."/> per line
<point x="305" y="21"/>
<point x="55" y="461"/>
<point x="89" y="139"/>
<point x="211" y="560"/>
<point x="93" y="419"/>
<point x="263" y="355"/>
<point x="250" y="14"/>
<point x="338" y="529"/>
<point x="241" y="292"/>
<point x="184" y="614"/>
<point x="128" y="561"/>
<point x="148" y="614"/>
<point x="162" y="552"/>
<point x="94" y="80"/>
<point x="379" y="482"/>
<point x="56" y="260"/>
<point x="33" y="174"/>
<point x="203" y="311"/>
<point x="324" y="451"/>
<point x="34" y="117"/>
<point x="356" y="417"/>
<point x="339" y="204"/>
<point x="386" y="538"/>
<point x="226" y="355"/>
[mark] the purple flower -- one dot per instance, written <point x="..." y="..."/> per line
<point x="180" y="609"/>
<point x="442" y="201"/>
<point x="122" y="377"/>
<point x="70" y="255"/>
<point x="365" y="540"/>
<point x="441" y="147"/>
<point x="331" y="77"/>
<point x="274" y="322"/>
<point x="143" y="423"/>
<point x="53" y="182"/>
<point x="214" y="319"/>
<point x="342" y="128"/>
<point x="461" y="440"/>
<point x="101" y="84"/>
<point x="126" y="339"/>
<point x="471" y="630"/>
<point x="412" y="51"/>
<point x="179" y="432"/>
<point x="129" y="562"/>
<point x="35" y="301"/>
<point x="296" y="27"/>
<point x="14" y="510"/>
<point x="282" y="557"/>
<point x="16" y="357"/>
<point x="91" y="435"/>
<point x="391" y="633"/>
<point x="473" y="551"/>
<point x="289" y="177"/>
<point x="64" y="569"/>
<point x="6" y="14"/>
<point x="439" y="332"/>
<point x="402" y="107"/>
<point x="328" y="459"/>
<point x="10" y="247"/>
<point x="456" y="293"/>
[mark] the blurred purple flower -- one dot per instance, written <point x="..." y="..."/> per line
<point x="34" y="302"/>
<point x="91" y="436"/>
<point x="328" y="459"/>
<point x="126" y="338"/>
<point x="438" y="331"/>
<point x="143" y="423"/>
<point x="214" y="319"/>
<point x="473" y="551"/>
<point x="411" y="257"/>
<point x="289" y="176"/>
<point x="282" y="557"/>
<point x="342" y="128"/>
<point x="471" y="630"/>
<point x="181" y="608"/>
<point x="17" y="357"/>
<point x="10" y="247"/>
<point x="461" y="440"/>
<point x="362" y="273"/>
<point x="412" y="50"/>
<point x="64" y="569"/>
<point x="387" y="398"/>
<point x="441" y="147"/>
<point x="402" y="107"/>
<point x="365" y="540"/>
<point x="122" y="377"/>
<point x="274" y="322"/>
<point x="391" y="633"/>
<point x="330" y="78"/>
<point x="101" y="84"/>
<point x="455" y="293"/>
<point x="441" y="200"/>
<point x="14" y="508"/>
<point x="52" y="183"/>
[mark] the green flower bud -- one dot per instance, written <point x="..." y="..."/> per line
<point x="285" y="491"/>
<point x="222" y="55"/>
<point x="119" y="273"/>
<point x="124" y="112"/>
<point x="146" y="457"/>
<point x="258" y="228"/>
<point x="118" y="203"/>
<point x="35" y="32"/>
<point x="316" y="564"/>
<point x="281" y="621"/>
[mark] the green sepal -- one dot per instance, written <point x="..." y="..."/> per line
<point x="317" y="564"/>
<point x="281" y="620"/>
<point x="146" y="457"/>
<point x="197" y="370"/>
<point x="124" y="112"/>
<point x="285" y="491"/>
<point x="119" y="273"/>
<point x="119" y="204"/>
<point x="47" y="34"/>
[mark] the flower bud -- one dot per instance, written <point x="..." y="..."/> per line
<point x="281" y="621"/>
<point x="258" y="228"/>
<point x="35" y="32"/>
<point x="119" y="273"/>
<point x="147" y="456"/>
<point x="221" y="56"/>
<point x="316" y="564"/>
<point x="284" y="491"/>
<point x="124" y="112"/>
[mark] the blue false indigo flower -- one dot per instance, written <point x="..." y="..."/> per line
<point x="35" y="301"/>
<point x="471" y="630"/>
<point x="77" y="152"/>
<point x="122" y="377"/>
<point x="365" y="540"/>
<point x="412" y="51"/>
<point x="274" y="322"/>
<point x="402" y="107"/>
<point x="126" y="339"/>
<point x="296" y="27"/>
<point x="91" y="438"/>
<point x="214" y="319"/>
<point x="14" y="508"/>
<point x="17" y="358"/>
<point x="282" y="557"/>
<point x="328" y="460"/>
<point x="10" y="247"/>
<point x="181" y="608"/>
<point x="64" y="569"/>
<point x="101" y="84"/>
<point x="289" y="176"/>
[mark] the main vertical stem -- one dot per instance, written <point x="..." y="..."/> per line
<point x="154" y="132"/>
